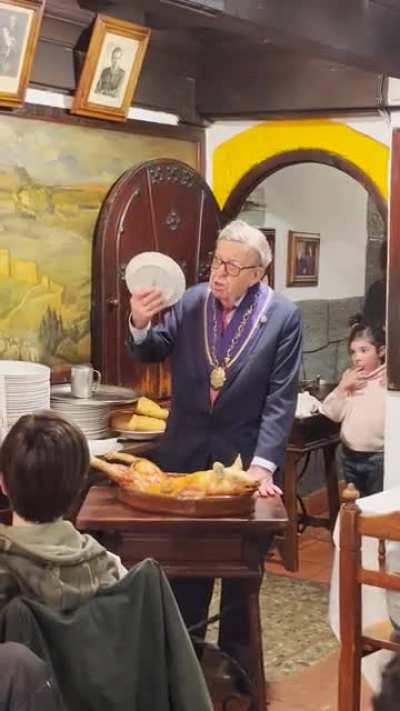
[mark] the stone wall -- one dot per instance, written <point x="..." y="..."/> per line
<point x="326" y="329"/>
<point x="376" y="235"/>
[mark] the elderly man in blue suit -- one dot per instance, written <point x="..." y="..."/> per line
<point x="235" y="349"/>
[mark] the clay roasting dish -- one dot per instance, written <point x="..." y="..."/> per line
<point x="218" y="492"/>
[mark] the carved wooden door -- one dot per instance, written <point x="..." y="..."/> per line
<point x="161" y="205"/>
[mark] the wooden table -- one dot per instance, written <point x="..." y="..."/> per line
<point x="221" y="548"/>
<point x="308" y="435"/>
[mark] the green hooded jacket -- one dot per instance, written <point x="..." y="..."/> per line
<point x="54" y="564"/>
<point x="126" y="649"/>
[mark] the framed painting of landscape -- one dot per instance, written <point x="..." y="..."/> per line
<point x="54" y="177"/>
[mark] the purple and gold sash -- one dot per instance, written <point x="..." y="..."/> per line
<point x="219" y="339"/>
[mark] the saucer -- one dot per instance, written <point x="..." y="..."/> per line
<point x="156" y="270"/>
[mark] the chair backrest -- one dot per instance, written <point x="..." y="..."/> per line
<point x="356" y="642"/>
<point x="126" y="649"/>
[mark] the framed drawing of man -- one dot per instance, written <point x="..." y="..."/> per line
<point x="111" y="70"/>
<point x="20" y="22"/>
<point x="303" y="259"/>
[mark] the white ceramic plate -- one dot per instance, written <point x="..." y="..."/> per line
<point x="131" y="434"/>
<point x="16" y="369"/>
<point x="153" y="269"/>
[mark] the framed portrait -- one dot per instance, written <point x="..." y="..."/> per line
<point x="270" y="273"/>
<point x="20" y="22"/>
<point x="111" y="69"/>
<point x="303" y="259"/>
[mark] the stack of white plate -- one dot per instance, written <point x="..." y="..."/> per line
<point x="24" y="388"/>
<point x="92" y="421"/>
<point x="92" y="414"/>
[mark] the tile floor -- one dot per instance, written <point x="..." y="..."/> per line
<point x="314" y="689"/>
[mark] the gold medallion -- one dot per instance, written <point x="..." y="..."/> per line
<point x="217" y="377"/>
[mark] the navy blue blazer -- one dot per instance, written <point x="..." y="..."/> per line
<point x="254" y="411"/>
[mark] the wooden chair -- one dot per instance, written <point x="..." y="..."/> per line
<point x="357" y="642"/>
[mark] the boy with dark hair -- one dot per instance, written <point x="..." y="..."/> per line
<point x="43" y="462"/>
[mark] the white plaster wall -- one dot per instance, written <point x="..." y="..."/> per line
<point x="63" y="101"/>
<point x="376" y="126"/>
<point x="218" y="133"/>
<point x="316" y="198"/>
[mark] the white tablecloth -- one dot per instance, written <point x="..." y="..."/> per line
<point x="374" y="605"/>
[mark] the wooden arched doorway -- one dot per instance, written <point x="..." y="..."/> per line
<point x="160" y="205"/>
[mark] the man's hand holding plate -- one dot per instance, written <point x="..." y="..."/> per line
<point x="146" y="303"/>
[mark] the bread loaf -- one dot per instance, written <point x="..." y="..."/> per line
<point x="120" y="420"/>
<point x="149" y="408"/>
<point x="139" y="423"/>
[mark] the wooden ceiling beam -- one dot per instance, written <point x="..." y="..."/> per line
<point x="363" y="34"/>
<point x="240" y="82"/>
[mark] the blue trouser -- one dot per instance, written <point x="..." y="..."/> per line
<point x="193" y="596"/>
<point x="364" y="470"/>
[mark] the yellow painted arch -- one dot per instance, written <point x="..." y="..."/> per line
<point x="233" y="159"/>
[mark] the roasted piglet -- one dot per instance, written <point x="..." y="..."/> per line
<point x="138" y="474"/>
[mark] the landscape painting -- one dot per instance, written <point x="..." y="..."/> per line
<point x="53" y="179"/>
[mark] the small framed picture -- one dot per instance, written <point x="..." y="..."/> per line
<point x="303" y="259"/>
<point x="111" y="69"/>
<point x="270" y="273"/>
<point x="20" y="22"/>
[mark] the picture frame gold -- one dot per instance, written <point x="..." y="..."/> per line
<point x="303" y="259"/>
<point x="20" y="22"/>
<point x="111" y="69"/>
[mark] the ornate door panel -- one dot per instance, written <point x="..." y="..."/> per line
<point x="161" y="205"/>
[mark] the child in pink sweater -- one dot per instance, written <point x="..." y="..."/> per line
<point x="359" y="404"/>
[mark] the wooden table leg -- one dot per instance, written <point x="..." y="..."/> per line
<point x="255" y="640"/>
<point x="288" y="544"/>
<point x="332" y="484"/>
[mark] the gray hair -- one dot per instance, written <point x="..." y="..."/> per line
<point x="240" y="231"/>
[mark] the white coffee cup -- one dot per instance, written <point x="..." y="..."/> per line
<point x="84" y="380"/>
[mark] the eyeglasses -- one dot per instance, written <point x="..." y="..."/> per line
<point x="231" y="268"/>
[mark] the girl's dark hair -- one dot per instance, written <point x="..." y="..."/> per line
<point x="374" y="333"/>
<point x="43" y="460"/>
